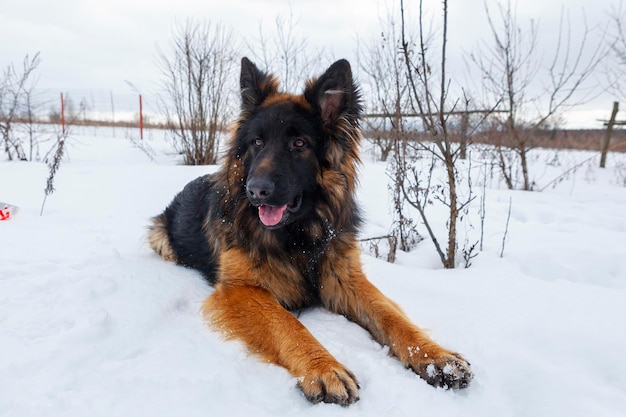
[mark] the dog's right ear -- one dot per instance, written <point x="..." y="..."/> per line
<point x="334" y="94"/>
<point x="256" y="85"/>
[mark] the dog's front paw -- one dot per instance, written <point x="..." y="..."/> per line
<point x="330" y="383"/>
<point x="447" y="370"/>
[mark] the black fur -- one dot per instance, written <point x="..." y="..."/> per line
<point x="185" y="219"/>
<point x="280" y="149"/>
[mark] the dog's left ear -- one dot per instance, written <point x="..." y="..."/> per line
<point x="255" y="84"/>
<point x="334" y="94"/>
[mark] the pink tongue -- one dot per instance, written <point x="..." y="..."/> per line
<point x="271" y="216"/>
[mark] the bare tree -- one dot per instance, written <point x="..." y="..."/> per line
<point x="197" y="71"/>
<point x="385" y="74"/>
<point x="381" y="61"/>
<point x="32" y="134"/>
<point x="510" y="67"/>
<point x="286" y="52"/>
<point x="429" y="89"/>
<point x="15" y="98"/>
<point x="616" y="68"/>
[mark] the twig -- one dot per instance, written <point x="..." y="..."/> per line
<point x="469" y="253"/>
<point x="483" y="212"/>
<point x="144" y="147"/>
<point x="53" y="167"/>
<point x="368" y="239"/>
<point x="506" y="228"/>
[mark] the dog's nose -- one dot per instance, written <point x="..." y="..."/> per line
<point x="260" y="188"/>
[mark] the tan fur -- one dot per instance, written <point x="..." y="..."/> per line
<point x="346" y="290"/>
<point x="159" y="240"/>
<point x="281" y="279"/>
<point x="252" y="315"/>
<point x="284" y="97"/>
<point x="249" y="304"/>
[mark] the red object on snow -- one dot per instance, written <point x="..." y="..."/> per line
<point x="6" y="211"/>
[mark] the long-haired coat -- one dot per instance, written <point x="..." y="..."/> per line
<point x="275" y="230"/>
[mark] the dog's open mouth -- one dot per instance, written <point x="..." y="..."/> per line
<point x="272" y="216"/>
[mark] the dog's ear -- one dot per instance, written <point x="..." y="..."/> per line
<point x="255" y="84"/>
<point x="334" y="94"/>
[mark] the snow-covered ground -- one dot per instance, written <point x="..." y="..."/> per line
<point x="92" y="323"/>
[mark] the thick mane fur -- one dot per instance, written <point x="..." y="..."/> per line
<point x="336" y="215"/>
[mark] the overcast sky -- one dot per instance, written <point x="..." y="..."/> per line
<point x="97" y="44"/>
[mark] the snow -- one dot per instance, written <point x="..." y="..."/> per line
<point x="94" y="324"/>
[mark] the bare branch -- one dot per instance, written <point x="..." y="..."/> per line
<point x="15" y="91"/>
<point x="509" y="67"/>
<point x="286" y="52"/>
<point x="196" y="72"/>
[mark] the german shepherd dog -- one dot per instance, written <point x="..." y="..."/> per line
<point x="275" y="230"/>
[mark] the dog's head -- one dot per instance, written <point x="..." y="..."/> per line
<point x="285" y="142"/>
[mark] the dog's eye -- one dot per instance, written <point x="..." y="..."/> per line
<point x="299" y="143"/>
<point x="258" y="142"/>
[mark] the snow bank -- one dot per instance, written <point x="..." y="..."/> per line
<point x="93" y="324"/>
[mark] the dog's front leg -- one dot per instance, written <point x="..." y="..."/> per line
<point x="346" y="290"/>
<point x="252" y="315"/>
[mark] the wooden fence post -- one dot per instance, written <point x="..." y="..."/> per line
<point x="607" y="136"/>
